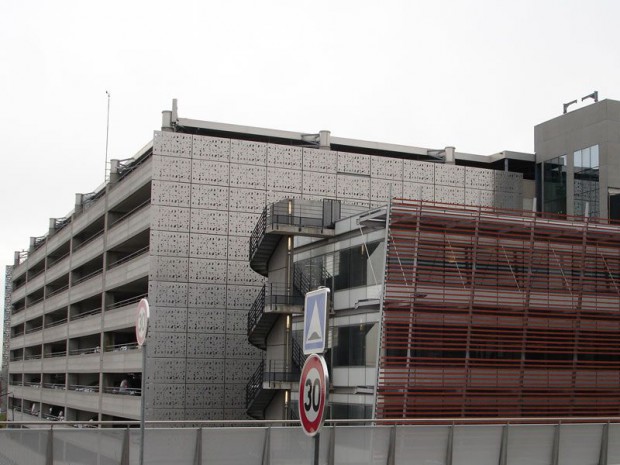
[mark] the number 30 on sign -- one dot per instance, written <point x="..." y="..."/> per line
<point x="313" y="388"/>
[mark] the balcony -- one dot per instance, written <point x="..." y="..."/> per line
<point x="85" y="323"/>
<point x="129" y="225"/>
<point x="290" y="217"/>
<point x="124" y="358"/>
<point x="58" y="268"/>
<point x="270" y="377"/>
<point x="131" y="270"/>
<point x="272" y="301"/>
<point x="119" y="405"/>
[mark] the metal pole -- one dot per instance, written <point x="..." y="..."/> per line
<point x="317" y="439"/>
<point x="143" y="404"/>
<point x="107" y="133"/>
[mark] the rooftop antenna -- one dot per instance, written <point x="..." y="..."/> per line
<point x="107" y="135"/>
<point x="566" y="105"/>
<point x="593" y="96"/>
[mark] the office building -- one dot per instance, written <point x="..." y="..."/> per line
<point x="445" y="310"/>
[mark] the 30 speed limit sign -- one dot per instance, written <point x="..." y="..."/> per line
<point x="313" y="389"/>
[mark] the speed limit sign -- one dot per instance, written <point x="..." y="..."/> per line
<point x="313" y="388"/>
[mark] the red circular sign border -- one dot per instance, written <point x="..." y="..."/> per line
<point x="142" y="303"/>
<point x="311" y="428"/>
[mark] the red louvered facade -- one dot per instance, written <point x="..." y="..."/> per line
<point x="491" y="313"/>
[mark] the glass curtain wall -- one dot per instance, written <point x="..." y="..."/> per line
<point x="554" y="183"/>
<point x="586" y="181"/>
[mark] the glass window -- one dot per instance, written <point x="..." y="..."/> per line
<point x="586" y="181"/>
<point x="554" y="185"/>
<point x="355" y="345"/>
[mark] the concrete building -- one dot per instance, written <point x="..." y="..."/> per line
<point x="578" y="161"/>
<point x="173" y="225"/>
<point x="443" y="311"/>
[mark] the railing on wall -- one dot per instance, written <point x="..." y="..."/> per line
<point x="463" y="442"/>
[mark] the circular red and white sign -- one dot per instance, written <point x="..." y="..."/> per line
<point x="142" y="321"/>
<point x="313" y="389"/>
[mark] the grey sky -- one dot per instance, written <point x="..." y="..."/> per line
<point x="474" y="74"/>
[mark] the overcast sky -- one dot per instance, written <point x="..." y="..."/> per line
<point x="477" y="75"/>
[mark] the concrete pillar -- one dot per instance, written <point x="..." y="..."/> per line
<point x="324" y="140"/>
<point x="166" y="120"/>
<point x="52" y="227"/>
<point x="79" y="200"/>
<point x="450" y="155"/>
<point x="114" y="164"/>
<point x="16" y="258"/>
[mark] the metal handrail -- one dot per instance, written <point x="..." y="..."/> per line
<point x="85" y="350"/>
<point x="127" y="391"/>
<point x="130" y="213"/>
<point x="83" y="388"/>
<point x="37" y="273"/>
<point x="298" y="356"/>
<point x="255" y="384"/>
<point x="58" y="291"/>
<point x="121" y="347"/>
<point x="123" y="303"/>
<point x="278" y="371"/>
<point x="55" y="386"/>
<point x="87" y="313"/>
<point x="57" y="260"/>
<point x="33" y="357"/>
<point x="88" y="276"/>
<point x="256" y="310"/>
<point x="33" y="330"/>
<point x="32" y="304"/>
<point x="56" y="323"/>
<point x="61" y="353"/>
<point x="88" y="240"/>
<point x="129" y="257"/>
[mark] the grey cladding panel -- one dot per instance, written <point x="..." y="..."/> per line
<point x="241" y="273"/>
<point x="168" y="319"/>
<point x="208" y="246"/>
<point x="353" y="163"/>
<point x="242" y="372"/>
<point x="238" y="248"/>
<point x="242" y="297"/>
<point x="380" y="189"/>
<point x="479" y="197"/>
<point x="164" y="395"/>
<point x="419" y="171"/>
<point x="323" y="184"/>
<point x="477" y="178"/>
<point x="448" y="194"/>
<point x="238" y="347"/>
<point x="211" y="148"/>
<point x="209" y="196"/>
<point x="323" y="161"/>
<point x="202" y="295"/>
<point x="171" y="168"/>
<point x="172" y="144"/>
<point x="210" y="172"/>
<point x="450" y="175"/>
<point x="169" y="243"/>
<point x="161" y="370"/>
<point x="168" y="294"/>
<point x="284" y="156"/>
<point x="248" y="176"/>
<point x="237" y="321"/>
<point x="417" y="191"/>
<point x="235" y="394"/>
<point x="170" y="193"/>
<point x="387" y="168"/>
<point x="206" y="345"/>
<point x="284" y="180"/>
<point x="205" y="396"/>
<point x="201" y="320"/>
<point x="242" y="224"/>
<point x="209" y="221"/>
<point x="166" y="218"/>
<point x="247" y="200"/>
<point x="169" y="268"/>
<point x="205" y="370"/>
<point x="353" y="187"/>
<point x="207" y="270"/>
<point x="166" y="345"/>
<point x="248" y="152"/>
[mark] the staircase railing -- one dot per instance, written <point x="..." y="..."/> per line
<point x="256" y="310"/>
<point x="298" y="356"/>
<point x="255" y="384"/>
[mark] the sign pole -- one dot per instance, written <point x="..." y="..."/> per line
<point x="142" y="327"/>
<point x="142" y="404"/>
<point x="317" y="440"/>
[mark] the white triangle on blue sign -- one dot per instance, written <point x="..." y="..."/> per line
<point x="315" y="332"/>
